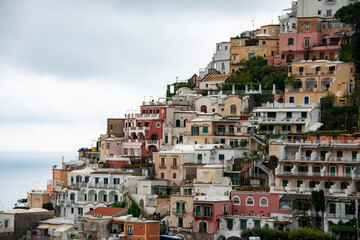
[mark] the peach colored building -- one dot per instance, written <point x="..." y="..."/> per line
<point x="36" y="198"/>
<point x="142" y="229"/>
<point x="181" y="213"/>
<point x="313" y="80"/>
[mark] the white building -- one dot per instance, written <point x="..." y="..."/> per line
<point x="220" y="60"/>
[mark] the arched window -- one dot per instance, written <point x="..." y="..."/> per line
<point x="290" y="41"/>
<point x="236" y="200"/>
<point x="203" y="226"/>
<point x="158" y="124"/>
<point x="203" y="109"/>
<point x="263" y="202"/>
<point x="249" y="201"/>
<point x="233" y="109"/>
<point x="177" y="123"/>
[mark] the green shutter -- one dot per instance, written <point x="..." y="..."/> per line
<point x="205" y="129"/>
<point x="198" y="210"/>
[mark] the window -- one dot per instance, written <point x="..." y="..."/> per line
<point x="242" y="224"/>
<point x="158" y="125"/>
<point x="105" y="198"/>
<point x="328" y="12"/>
<point x="162" y="175"/>
<point x="249" y="201"/>
<point x="307" y="42"/>
<point x="226" y="48"/>
<point x="289" y="115"/>
<point x="72" y="210"/>
<point x="72" y="196"/>
<point x="230" y="224"/>
<point x="72" y="179"/>
<point x="354" y="156"/>
<point x="87" y="178"/>
<point x="106" y="181"/>
<point x="116" y="180"/>
<point x="303" y="114"/>
<point x="7" y="225"/>
<point x="174" y="175"/>
<point x="332" y="208"/>
<point x="180" y="207"/>
<point x="339" y="155"/>
<point x="290" y="41"/>
<point x="199" y="158"/>
<point x="306" y="100"/>
<point x="221" y="157"/>
<point x="180" y="222"/>
<point x="197" y="210"/>
<point x="257" y="223"/>
<point x="80" y="211"/>
<point x="130" y="229"/>
<point x="207" y="211"/>
<point x="203" y="226"/>
<point x="263" y="42"/>
<point x="177" y="123"/>
<point x="162" y="163"/>
<point x="166" y="138"/>
<point x="219" y="47"/>
<point x="194" y="131"/>
<point x="205" y="129"/>
<point x="291" y="99"/>
<point x="93" y="226"/>
<point x="236" y="200"/>
<point x="271" y="114"/>
<point x="319" y="12"/>
<point x="307" y="26"/>
<point x="263" y="202"/>
<point x="225" y="209"/>
<point x="174" y="162"/>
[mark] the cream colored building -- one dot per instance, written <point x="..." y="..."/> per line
<point x="181" y="213"/>
<point x="36" y="198"/>
<point x="313" y="80"/>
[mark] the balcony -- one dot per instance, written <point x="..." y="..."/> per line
<point x="179" y="212"/>
<point x="217" y="133"/>
<point x="174" y="167"/>
<point x="103" y="185"/>
<point x="149" y="143"/>
<point x="147" y="116"/>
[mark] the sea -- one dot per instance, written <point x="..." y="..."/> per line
<point x="21" y="172"/>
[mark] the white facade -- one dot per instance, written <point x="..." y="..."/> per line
<point x="220" y="60"/>
<point x="321" y="8"/>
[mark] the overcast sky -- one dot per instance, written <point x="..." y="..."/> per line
<point x="66" y="66"/>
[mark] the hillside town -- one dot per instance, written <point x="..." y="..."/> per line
<point x="264" y="137"/>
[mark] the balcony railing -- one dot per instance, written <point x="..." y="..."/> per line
<point x="179" y="211"/>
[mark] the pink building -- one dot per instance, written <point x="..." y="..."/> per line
<point x="209" y="210"/>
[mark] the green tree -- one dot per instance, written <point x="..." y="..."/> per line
<point x="318" y="202"/>
<point x="350" y="14"/>
<point x="308" y="233"/>
<point x="134" y="209"/>
<point x="119" y="205"/>
<point x="48" y="206"/>
<point x="273" y="163"/>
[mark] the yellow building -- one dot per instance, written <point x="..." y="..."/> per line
<point x="313" y="80"/>
<point x="244" y="48"/>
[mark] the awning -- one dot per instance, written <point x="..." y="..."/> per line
<point x="332" y="36"/>
<point x="315" y="126"/>
<point x="43" y="226"/>
<point x="330" y="65"/>
<point x="315" y="66"/>
<point x="292" y="197"/>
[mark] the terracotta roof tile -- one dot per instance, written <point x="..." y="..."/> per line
<point x="106" y="211"/>
<point x="216" y="77"/>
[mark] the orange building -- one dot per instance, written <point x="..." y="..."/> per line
<point x="139" y="229"/>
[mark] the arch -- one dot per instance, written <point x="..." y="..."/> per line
<point x="92" y="196"/>
<point x="249" y="201"/>
<point x="296" y="84"/>
<point x="202" y="226"/>
<point x="113" y="196"/>
<point x="236" y="200"/>
<point x="133" y="135"/>
<point x="177" y="123"/>
<point x="233" y="109"/>
<point x="233" y="238"/>
<point x="325" y="83"/>
<point x="203" y="108"/>
<point x="141" y="135"/>
<point x="84" y="224"/>
<point x="221" y="237"/>
<point x="264" y="202"/>
<point x="103" y="197"/>
<point x="310" y="84"/>
<point x="142" y="203"/>
<point x="82" y="195"/>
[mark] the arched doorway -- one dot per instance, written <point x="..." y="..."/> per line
<point x="203" y="109"/>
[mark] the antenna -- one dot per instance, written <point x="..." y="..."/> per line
<point x="253" y="23"/>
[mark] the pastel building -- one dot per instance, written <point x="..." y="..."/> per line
<point x="212" y="81"/>
<point x="36" y="198"/>
<point x="220" y="60"/>
<point x="313" y="80"/>
<point x="276" y="118"/>
<point x="181" y="214"/>
<point x="253" y="210"/>
<point x="141" y="229"/>
<point x="209" y="210"/>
